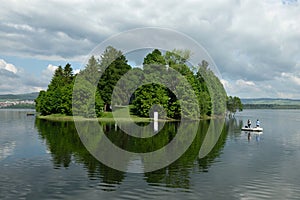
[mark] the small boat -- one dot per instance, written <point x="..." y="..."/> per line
<point x="255" y="129"/>
<point x="30" y="114"/>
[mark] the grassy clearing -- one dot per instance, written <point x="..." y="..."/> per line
<point x="120" y="115"/>
<point x="106" y="118"/>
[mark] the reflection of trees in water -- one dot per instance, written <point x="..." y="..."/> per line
<point x="65" y="145"/>
<point x="178" y="174"/>
<point x="140" y="145"/>
<point x="207" y="161"/>
<point x="232" y="126"/>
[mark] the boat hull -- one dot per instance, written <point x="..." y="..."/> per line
<point x="255" y="129"/>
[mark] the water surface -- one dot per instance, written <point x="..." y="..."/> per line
<point x="46" y="160"/>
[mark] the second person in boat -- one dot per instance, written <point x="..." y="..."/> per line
<point x="257" y="123"/>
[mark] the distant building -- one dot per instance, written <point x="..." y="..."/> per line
<point x="4" y="104"/>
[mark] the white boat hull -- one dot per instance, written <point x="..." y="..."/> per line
<point x="255" y="129"/>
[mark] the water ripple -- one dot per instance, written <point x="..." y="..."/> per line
<point x="273" y="188"/>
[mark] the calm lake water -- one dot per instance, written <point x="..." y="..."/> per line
<point x="46" y="160"/>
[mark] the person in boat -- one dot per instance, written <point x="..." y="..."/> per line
<point x="257" y="123"/>
<point x="249" y="123"/>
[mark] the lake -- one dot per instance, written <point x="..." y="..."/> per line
<point x="47" y="160"/>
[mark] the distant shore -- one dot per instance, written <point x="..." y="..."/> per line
<point x="270" y="106"/>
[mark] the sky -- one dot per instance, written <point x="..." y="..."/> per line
<point x="255" y="44"/>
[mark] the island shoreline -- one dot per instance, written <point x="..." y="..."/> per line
<point x="136" y="119"/>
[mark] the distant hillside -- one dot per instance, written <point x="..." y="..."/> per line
<point x="20" y="97"/>
<point x="271" y="103"/>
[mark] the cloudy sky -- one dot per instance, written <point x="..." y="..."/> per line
<point x="254" y="43"/>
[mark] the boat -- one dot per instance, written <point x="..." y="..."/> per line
<point x="254" y="129"/>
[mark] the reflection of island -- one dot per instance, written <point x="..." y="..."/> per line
<point x="178" y="174"/>
<point x="234" y="128"/>
<point x="65" y="146"/>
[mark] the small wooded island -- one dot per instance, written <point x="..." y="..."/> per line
<point x="56" y="102"/>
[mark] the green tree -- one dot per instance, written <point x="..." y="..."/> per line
<point x="67" y="74"/>
<point x="87" y="100"/>
<point x="185" y="89"/>
<point x="108" y="57"/>
<point x="147" y="96"/>
<point x="116" y="66"/>
<point x="151" y="94"/>
<point x="91" y="73"/>
<point x="234" y="104"/>
<point x="58" y="97"/>
<point x="155" y="57"/>
<point x="212" y="85"/>
<point x="177" y="56"/>
<point x="98" y="80"/>
<point x="40" y="104"/>
<point x="57" y="79"/>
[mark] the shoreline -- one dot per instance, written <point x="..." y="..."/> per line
<point x="136" y="119"/>
<point x="55" y="117"/>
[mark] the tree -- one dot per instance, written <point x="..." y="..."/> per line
<point x="91" y="73"/>
<point x="116" y="67"/>
<point x="86" y="99"/>
<point x="40" y="105"/>
<point x="234" y="104"/>
<point x="98" y="81"/>
<point x="212" y="85"/>
<point x="58" y="97"/>
<point x="109" y="55"/>
<point x="147" y="96"/>
<point x="155" y="57"/>
<point x="155" y="69"/>
<point x="67" y="74"/>
<point x="56" y="80"/>
<point x="150" y="94"/>
<point x="177" y="56"/>
<point x="185" y="89"/>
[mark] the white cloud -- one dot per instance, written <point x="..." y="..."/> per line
<point x="244" y="83"/>
<point x="249" y="89"/>
<point x="291" y="77"/>
<point x="76" y="71"/>
<point x="23" y="27"/>
<point x="8" y="66"/>
<point x="50" y="69"/>
<point x="252" y="42"/>
<point x="225" y="83"/>
<point x="15" y="81"/>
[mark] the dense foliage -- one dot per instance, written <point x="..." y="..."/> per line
<point x="148" y="95"/>
<point x="109" y="70"/>
<point x="58" y="97"/>
<point x="234" y="104"/>
<point x="114" y="65"/>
